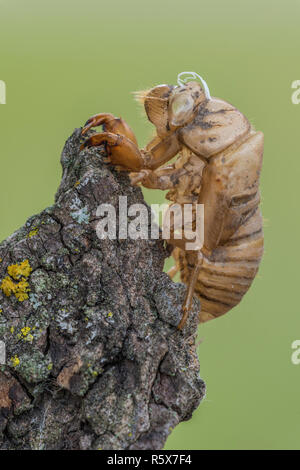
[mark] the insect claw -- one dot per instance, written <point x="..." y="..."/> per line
<point x="88" y="125"/>
<point x="87" y="122"/>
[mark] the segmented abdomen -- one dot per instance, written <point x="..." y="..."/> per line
<point x="228" y="273"/>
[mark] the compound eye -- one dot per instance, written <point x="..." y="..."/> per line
<point x="181" y="108"/>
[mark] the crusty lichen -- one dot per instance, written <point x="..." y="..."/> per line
<point x="34" y="367"/>
<point x="8" y="286"/>
<point x="17" y="272"/>
<point x="25" y="331"/>
<point x="15" y="361"/>
<point x="33" y="232"/>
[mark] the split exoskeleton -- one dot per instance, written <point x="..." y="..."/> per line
<point x="218" y="165"/>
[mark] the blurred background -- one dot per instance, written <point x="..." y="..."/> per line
<point x="64" y="61"/>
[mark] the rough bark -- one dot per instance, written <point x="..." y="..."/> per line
<point x="94" y="359"/>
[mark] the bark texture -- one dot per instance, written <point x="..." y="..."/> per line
<point x="94" y="359"/>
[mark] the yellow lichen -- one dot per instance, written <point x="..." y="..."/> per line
<point x="18" y="272"/>
<point x="21" y="296"/>
<point x="22" y="289"/>
<point x="33" y="232"/>
<point x="8" y="286"/>
<point x="77" y="183"/>
<point x="15" y="361"/>
<point x="25" y="330"/>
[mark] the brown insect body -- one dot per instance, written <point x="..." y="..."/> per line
<point x="233" y="237"/>
<point x="218" y="165"/>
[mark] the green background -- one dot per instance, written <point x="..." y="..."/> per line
<point x="63" y="61"/>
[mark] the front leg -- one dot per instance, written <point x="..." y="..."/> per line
<point x="122" y="152"/>
<point x="110" y="124"/>
<point x="122" y="147"/>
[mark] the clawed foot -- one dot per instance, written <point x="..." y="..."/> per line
<point x="120" y="141"/>
<point x="92" y="122"/>
<point x="100" y="138"/>
<point x="110" y="124"/>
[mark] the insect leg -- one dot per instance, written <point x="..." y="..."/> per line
<point x="162" y="178"/>
<point x="190" y="291"/>
<point x="121" y="150"/>
<point x="110" y="124"/>
<point x="160" y="151"/>
<point x="173" y="271"/>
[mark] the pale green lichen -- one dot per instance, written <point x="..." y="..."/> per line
<point x="80" y="214"/>
<point x="34" y="367"/>
<point x="34" y="301"/>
